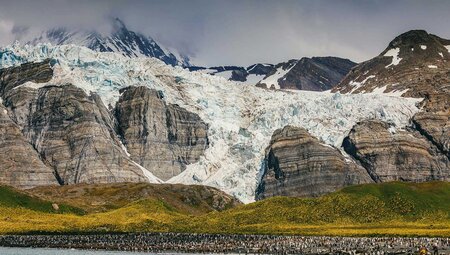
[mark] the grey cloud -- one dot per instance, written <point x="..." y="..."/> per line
<point x="242" y="32"/>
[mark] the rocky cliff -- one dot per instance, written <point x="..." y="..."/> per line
<point x="73" y="133"/>
<point x="161" y="137"/>
<point x="396" y="155"/>
<point x="60" y="134"/>
<point x="297" y="164"/>
<point x="20" y="164"/>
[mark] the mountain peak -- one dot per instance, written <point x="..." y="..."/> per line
<point x="416" y="38"/>
<point x="411" y="37"/>
<point x="414" y="64"/>
<point x="120" y="40"/>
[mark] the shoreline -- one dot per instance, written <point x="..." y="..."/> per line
<point x="220" y="243"/>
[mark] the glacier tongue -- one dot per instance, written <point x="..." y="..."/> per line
<point x="241" y="117"/>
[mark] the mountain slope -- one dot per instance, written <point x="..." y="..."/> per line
<point x="415" y="64"/>
<point x="120" y="40"/>
<point x="316" y="74"/>
<point x="406" y="209"/>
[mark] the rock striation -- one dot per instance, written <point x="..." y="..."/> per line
<point x="73" y="133"/>
<point x="20" y="165"/>
<point x="393" y="155"/>
<point x="433" y="121"/>
<point x="297" y="164"/>
<point x="161" y="137"/>
<point x="71" y="137"/>
<point x="69" y="134"/>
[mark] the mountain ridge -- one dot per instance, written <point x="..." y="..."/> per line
<point x="120" y="40"/>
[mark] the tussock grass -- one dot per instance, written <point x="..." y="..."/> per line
<point x="405" y="209"/>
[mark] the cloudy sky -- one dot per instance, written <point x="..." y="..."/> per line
<point x="241" y="32"/>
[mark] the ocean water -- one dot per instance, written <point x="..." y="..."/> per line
<point x="44" y="251"/>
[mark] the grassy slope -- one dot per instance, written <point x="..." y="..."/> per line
<point x="193" y="200"/>
<point x="374" y="209"/>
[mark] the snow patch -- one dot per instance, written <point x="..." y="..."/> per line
<point x="440" y="54"/>
<point x="224" y="74"/>
<point x="432" y="66"/>
<point x="272" y="80"/>
<point x="423" y="47"/>
<point x="447" y="47"/>
<point x="392" y="130"/>
<point x="254" y="78"/>
<point x="151" y="178"/>
<point x="393" y="93"/>
<point x="394" y="54"/>
<point x="357" y="85"/>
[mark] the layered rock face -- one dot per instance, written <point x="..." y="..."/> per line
<point x="297" y="164"/>
<point x="28" y="72"/>
<point x="70" y="137"/>
<point x="20" y="165"/>
<point x="434" y="121"/>
<point x="390" y="155"/>
<point x="161" y="137"/>
<point x="67" y="134"/>
<point x="73" y="133"/>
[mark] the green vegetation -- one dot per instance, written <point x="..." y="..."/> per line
<point x="372" y="209"/>
<point x="10" y="198"/>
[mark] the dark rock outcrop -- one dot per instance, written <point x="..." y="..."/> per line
<point x="163" y="138"/>
<point x="316" y="74"/>
<point x="390" y="155"/>
<point x="29" y="72"/>
<point x="297" y="164"/>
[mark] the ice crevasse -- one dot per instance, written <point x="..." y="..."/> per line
<point x="241" y="117"/>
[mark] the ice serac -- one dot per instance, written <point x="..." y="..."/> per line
<point x="395" y="155"/>
<point x="20" y="165"/>
<point x="297" y="164"/>
<point x="161" y="137"/>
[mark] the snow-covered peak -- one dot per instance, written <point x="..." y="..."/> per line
<point x="241" y="117"/>
<point x="120" y="40"/>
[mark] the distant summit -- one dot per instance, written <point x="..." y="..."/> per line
<point x="120" y="40"/>
<point x="415" y="64"/>
<point x="315" y="74"/>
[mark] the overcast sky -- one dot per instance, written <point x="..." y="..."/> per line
<point x="242" y="32"/>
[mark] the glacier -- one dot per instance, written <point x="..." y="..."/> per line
<point x="241" y="117"/>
